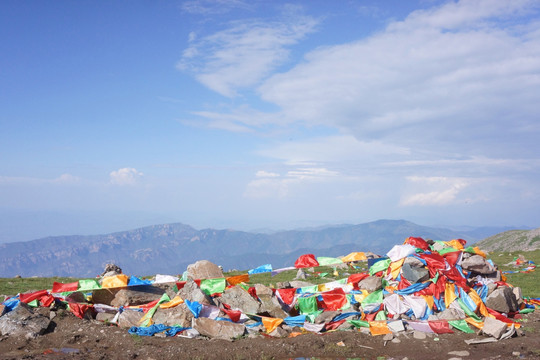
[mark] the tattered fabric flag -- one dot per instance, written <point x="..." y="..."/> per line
<point x="307" y="305"/>
<point x="286" y="295"/>
<point x="88" y="284"/>
<point x="378" y="328"/>
<point x="354" y="279"/>
<point x="307" y="260"/>
<point x="354" y="256"/>
<point x="261" y="269"/>
<point x="375" y="297"/>
<point x="295" y="320"/>
<point x="440" y="327"/>
<point x="209" y="311"/>
<point x="314" y="328"/>
<point x="134" y="281"/>
<point x="234" y="315"/>
<point x="334" y="300"/>
<point x="177" y="300"/>
<point x="115" y="281"/>
<point x="213" y="286"/>
<point x="461" y="325"/>
<point x="270" y="323"/>
<point x="146" y="320"/>
<point x="194" y="307"/>
<point x="399" y="252"/>
<point x="417" y="242"/>
<point x="60" y="287"/>
<point x="234" y="280"/>
<point x="359" y="323"/>
<point x="79" y="309"/>
<point x="380" y="265"/>
<point x="155" y="329"/>
<point x="324" y="260"/>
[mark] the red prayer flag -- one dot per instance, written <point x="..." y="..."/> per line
<point x="334" y="324"/>
<point x="79" y="309"/>
<point x="234" y="315"/>
<point x="307" y="260"/>
<point x="354" y="279"/>
<point x="287" y="295"/>
<point x="440" y="327"/>
<point x="29" y="297"/>
<point x="60" y="287"/>
<point x="334" y="300"/>
<point x="417" y="242"/>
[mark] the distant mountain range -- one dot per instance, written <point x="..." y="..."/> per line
<point x="170" y="248"/>
<point x="512" y="240"/>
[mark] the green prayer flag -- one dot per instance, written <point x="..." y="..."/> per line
<point x="33" y="303"/>
<point x="359" y="323"/>
<point x="526" y="311"/>
<point x="380" y="265"/>
<point x="311" y="317"/>
<point x="468" y="311"/>
<point x="213" y="286"/>
<point x="88" y="284"/>
<point x="380" y="316"/>
<point x="323" y="274"/>
<point x="447" y="250"/>
<point x="307" y="305"/>
<point x="375" y="297"/>
<point x="148" y="316"/>
<point x="324" y="260"/>
<point x="461" y="325"/>
<point x="309" y="289"/>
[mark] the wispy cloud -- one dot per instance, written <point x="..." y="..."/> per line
<point x="441" y="191"/>
<point x="21" y="180"/>
<point x="244" y="53"/>
<point x="125" y="176"/>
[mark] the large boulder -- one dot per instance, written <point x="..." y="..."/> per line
<point x="23" y="321"/>
<point x="129" y="318"/>
<point x="494" y="327"/>
<point x="502" y="300"/>
<point x="371" y="283"/>
<point x="414" y="274"/>
<point x="270" y="305"/>
<point x="477" y="264"/>
<point x="192" y="292"/>
<point x="137" y="295"/>
<point x="178" y="315"/>
<point x="225" y="330"/>
<point x="204" y="269"/>
<point x="238" y="298"/>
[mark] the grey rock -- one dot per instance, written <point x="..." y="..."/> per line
<point x="477" y="264"/>
<point x="460" y="353"/>
<point x="414" y="274"/>
<point x="129" y="318"/>
<point x="326" y="316"/>
<point x="137" y="295"/>
<point x="178" y="315"/>
<point x="270" y="305"/>
<point x="103" y="296"/>
<point x="261" y="289"/>
<point x="279" y="332"/>
<point x="388" y="337"/>
<point x="300" y="275"/>
<point x="371" y="283"/>
<point x="419" y="335"/>
<point x="22" y="321"/>
<point x="283" y="285"/>
<point x="299" y="283"/>
<point x="451" y="314"/>
<point x="238" y="298"/>
<point x="204" y="269"/>
<point x="494" y="327"/>
<point x="77" y="297"/>
<point x="218" y="329"/>
<point x="518" y="295"/>
<point x="192" y="292"/>
<point x="502" y="300"/>
<point x="111" y="270"/>
<point x="104" y="317"/>
<point x="414" y="262"/>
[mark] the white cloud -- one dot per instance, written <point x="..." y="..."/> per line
<point x="266" y="174"/>
<point x="444" y="191"/>
<point x="125" y="176"/>
<point x="243" y="54"/>
<point x="424" y="85"/>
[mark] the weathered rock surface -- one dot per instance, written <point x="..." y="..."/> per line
<point x="502" y="300"/>
<point x="192" y="292"/>
<point x="414" y="274"/>
<point x="178" y="315"/>
<point x="477" y="264"/>
<point x="204" y="269"/>
<point x="23" y="321"/>
<point x="238" y="298"/>
<point x="218" y="329"/>
<point x="494" y="327"/>
<point x="137" y="295"/>
<point x="371" y="283"/>
<point x="129" y="318"/>
<point x="270" y="305"/>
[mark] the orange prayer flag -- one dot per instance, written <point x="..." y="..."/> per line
<point x="270" y="323"/>
<point x="476" y="324"/>
<point x="479" y="252"/>
<point x="174" y="302"/>
<point x="378" y="328"/>
<point x="234" y="280"/>
<point x="115" y="281"/>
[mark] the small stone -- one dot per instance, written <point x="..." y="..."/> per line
<point x="396" y="340"/>
<point x="516" y="353"/>
<point x="419" y="335"/>
<point x="388" y="337"/>
<point x="460" y="353"/>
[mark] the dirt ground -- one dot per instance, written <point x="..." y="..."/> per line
<point x="73" y="338"/>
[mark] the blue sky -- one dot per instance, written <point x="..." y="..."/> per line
<point x="267" y="114"/>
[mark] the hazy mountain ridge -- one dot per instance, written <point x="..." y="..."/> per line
<point x="169" y="248"/>
<point x="524" y="240"/>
